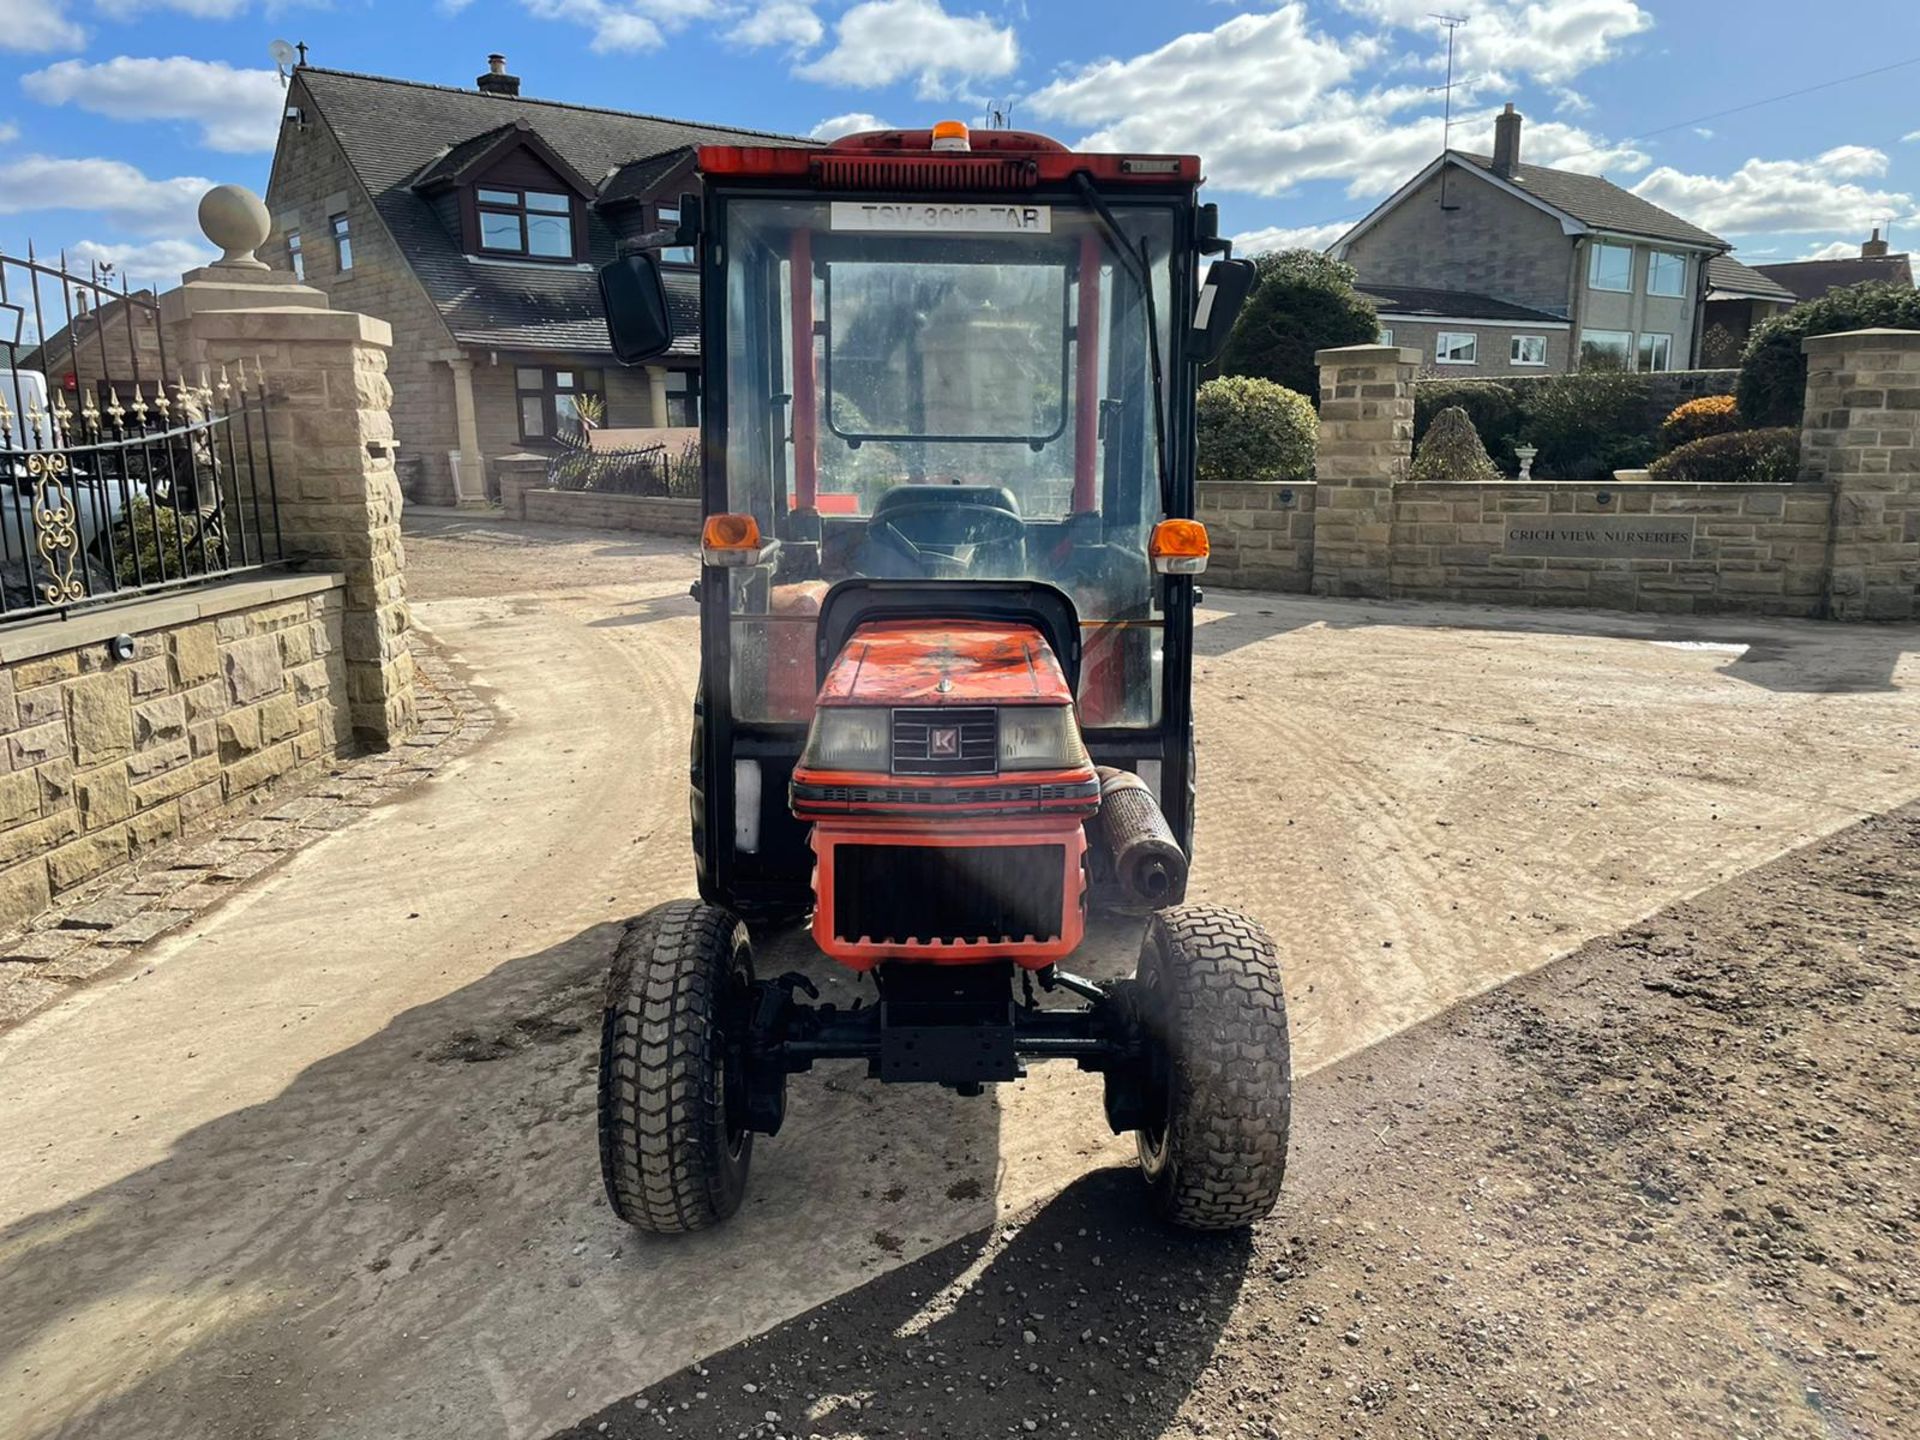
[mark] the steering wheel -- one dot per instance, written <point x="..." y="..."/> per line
<point x="986" y="526"/>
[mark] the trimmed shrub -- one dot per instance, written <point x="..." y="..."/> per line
<point x="1697" y="419"/>
<point x="1304" y="302"/>
<point x="1452" y="451"/>
<point x="1770" y="456"/>
<point x="1773" y="372"/>
<point x="1493" y="408"/>
<point x="1588" y="425"/>
<point x="1252" y="429"/>
<point x="165" y="540"/>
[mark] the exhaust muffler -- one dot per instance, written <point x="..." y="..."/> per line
<point x="1147" y="860"/>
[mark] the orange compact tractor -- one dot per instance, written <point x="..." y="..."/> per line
<point x="946" y="618"/>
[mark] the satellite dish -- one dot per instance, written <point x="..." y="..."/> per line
<point x="282" y="54"/>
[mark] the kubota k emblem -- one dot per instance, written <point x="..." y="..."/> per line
<point x="943" y="742"/>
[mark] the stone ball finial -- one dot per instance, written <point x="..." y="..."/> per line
<point x="235" y="219"/>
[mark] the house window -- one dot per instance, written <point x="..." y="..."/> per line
<point x="1606" y="350"/>
<point x="1456" y="347"/>
<point x="1529" y="350"/>
<point x="1386" y="334"/>
<point x="666" y="217"/>
<point x="1611" y="267"/>
<point x="544" y="395"/>
<point x="526" y="222"/>
<point x="342" y="242"/>
<point x="294" y="257"/>
<point x="1656" y="352"/>
<point x="1666" y="273"/>
<point x="683" y="398"/>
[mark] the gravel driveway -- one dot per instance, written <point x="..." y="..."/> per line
<point x="325" y="1165"/>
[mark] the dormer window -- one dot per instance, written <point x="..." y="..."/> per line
<point x="538" y="223"/>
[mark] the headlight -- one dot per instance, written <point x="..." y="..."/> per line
<point x="1040" y="737"/>
<point x="849" y="739"/>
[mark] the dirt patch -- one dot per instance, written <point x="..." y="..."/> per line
<point x="1666" y="1187"/>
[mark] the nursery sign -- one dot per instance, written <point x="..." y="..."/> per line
<point x="1600" y="537"/>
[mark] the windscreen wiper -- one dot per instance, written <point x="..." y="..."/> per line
<point x="1138" y="266"/>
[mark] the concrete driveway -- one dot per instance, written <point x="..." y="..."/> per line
<point x="325" y="1164"/>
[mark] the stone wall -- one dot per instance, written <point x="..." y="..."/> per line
<point x="233" y="693"/>
<point x="1261" y="533"/>
<point x="1756" y="549"/>
<point x="656" y="515"/>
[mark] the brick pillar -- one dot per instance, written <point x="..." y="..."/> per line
<point x="325" y="373"/>
<point x="519" y="474"/>
<point x="1366" y="444"/>
<point x="1861" y="436"/>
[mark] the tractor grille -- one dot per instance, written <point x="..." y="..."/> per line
<point x="901" y="894"/>
<point x="949" y="172"/>
<point x="945" y="740"/>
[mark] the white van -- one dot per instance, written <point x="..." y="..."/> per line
<point x="95" y="506"/>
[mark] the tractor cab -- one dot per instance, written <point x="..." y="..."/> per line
<point x="946" y="615"/>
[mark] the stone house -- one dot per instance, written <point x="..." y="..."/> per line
<point x="1626" y="279"/>
<point x="473" y="222"/>
<point x="1456" y="331"/>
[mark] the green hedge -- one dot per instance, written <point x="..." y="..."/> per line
<point x="1773" y="371"/>
<point x="1253" y="429"/>
<point x="1588" y="425"/>
<point x="1769" y="456"/>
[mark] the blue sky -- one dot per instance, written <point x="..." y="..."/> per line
<point x="116" y="114"/>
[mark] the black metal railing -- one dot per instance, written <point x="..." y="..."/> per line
<point x="119" y="475"/>
<point x="656" y="469"/>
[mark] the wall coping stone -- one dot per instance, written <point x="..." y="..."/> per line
<point x="292" y="322"/>
<point x="1633" y="487"/>
<point x="1869" y="339"/>
<point x="1261" y="484"/>
<point x="1367" y="355"/>
<point x="155" y="612"/>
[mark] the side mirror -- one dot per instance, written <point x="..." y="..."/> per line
<point x="636" y="306"/>
<point x="1224" y="291"/>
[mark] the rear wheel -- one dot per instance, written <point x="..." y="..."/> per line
<point x="674" y="1143"/>
<point x="1213" y="1149"/>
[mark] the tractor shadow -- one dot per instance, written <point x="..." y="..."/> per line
<point x="411" y="1237"/>
<point x="1086" y="1318"/>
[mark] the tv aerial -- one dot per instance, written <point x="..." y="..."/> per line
<point x="283" y="57"/>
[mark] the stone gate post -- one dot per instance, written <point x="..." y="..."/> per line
<point x="325" y="376"/>
<point x="1366" y="444"/>
<point x="1861" y="436"/>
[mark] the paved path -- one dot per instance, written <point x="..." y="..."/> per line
<point x="326" y="1165"/>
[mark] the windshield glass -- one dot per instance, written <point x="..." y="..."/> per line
<point x="953" y="391"/>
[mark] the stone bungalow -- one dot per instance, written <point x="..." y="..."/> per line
<point x="1609" y="278"/>
<point x="473" y="222"/>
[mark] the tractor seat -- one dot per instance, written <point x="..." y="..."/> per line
<point x="959" y="530"/>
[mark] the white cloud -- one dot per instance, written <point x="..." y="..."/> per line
<point x="779" y="22"/>
<point x="852" y="123"/>
<point x="1507" y="39"/>
<point x="1834" y="250"/>
<point x="1269" y="103"/>
<point x="236" y="110"/>
<point x="156" y="264"/>
<point x="110" y="188"/>
<point x="1769" y="196"/>
<point x="624" y="25"/>
<point x="199" y="9"/>
<point x="1283" y="237"/>
<point x="882" y="42"/>
<point x="38" y="25"/>
<point x="1910" y="136"/>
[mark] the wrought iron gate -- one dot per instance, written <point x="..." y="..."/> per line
<point x="119" y="473"/>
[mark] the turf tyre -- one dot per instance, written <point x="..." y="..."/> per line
<point x="674" y="1148"/>
<point x="1214" y="1152"/>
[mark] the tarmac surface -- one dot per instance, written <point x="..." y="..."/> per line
<point x="325" y="1164"/>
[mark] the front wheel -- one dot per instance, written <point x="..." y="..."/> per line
<point x="674" y="1143"/>
<point x="1213" y="1149"/>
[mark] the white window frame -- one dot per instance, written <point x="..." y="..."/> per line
<point x="1599" y="248"/>
<point x="1626" y="361"/>
<point x="1513" y="350"/>
<point x="1386" y="335"/>
<point x="1640" y="343"/>
<point x="1654" y="258"/>
<point x="1440" y="345"/>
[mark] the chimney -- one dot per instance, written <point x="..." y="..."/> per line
<point x="1506" y="142"/>
<point x="497" y="81"/>
<point x="1874" y="248"/>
